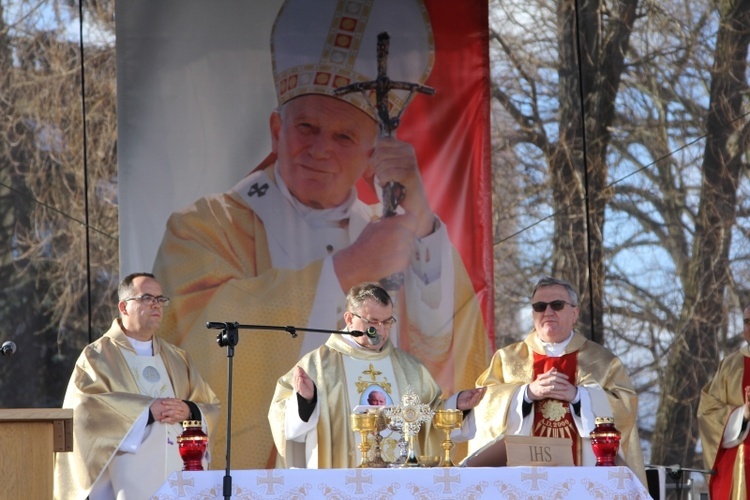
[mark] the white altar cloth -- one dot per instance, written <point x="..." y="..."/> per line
<point x="418" y="483"/>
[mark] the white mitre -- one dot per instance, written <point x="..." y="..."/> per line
<point x="319" y="46"/>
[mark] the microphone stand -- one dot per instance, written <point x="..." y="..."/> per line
<point x="675" y="473"/>
<point x="229" y="337"/>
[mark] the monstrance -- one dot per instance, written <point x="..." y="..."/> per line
<point x="409" y="416"/>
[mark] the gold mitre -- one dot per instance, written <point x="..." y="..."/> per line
<point x="319" y="46"/>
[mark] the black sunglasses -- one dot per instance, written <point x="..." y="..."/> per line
<point x="556" y="305"/>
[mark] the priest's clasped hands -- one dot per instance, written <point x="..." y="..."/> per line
<point x="552" y="385"/>
<point x="170" y="410"/>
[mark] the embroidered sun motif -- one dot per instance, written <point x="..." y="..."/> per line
<point x="553" y="410"/>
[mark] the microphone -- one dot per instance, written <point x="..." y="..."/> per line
<point x="8" y="348"/>
<point x="372" y="335"/>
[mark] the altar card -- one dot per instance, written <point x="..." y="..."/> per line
<point x="532" y="450"/>
<point x="522" y="450"/>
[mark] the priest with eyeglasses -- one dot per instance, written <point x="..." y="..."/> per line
<point x="130" y="392"/>
<point x="556" y="382"/>
<point x="309" y="414"/>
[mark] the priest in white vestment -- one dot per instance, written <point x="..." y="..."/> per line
<point x="309" y="416"/>
<point x="130" y="392"/>
<point x="287" y="242"/>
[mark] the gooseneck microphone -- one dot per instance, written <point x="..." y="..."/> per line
<point x="8" y="348"/>
<point x="371" y="333"/>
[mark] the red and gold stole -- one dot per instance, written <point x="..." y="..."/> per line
<point x="552" y="418"/>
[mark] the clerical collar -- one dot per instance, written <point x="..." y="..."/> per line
<point x="555" y="349"/>
<point x="142" y="348"/>
<point x="316" y="217"/>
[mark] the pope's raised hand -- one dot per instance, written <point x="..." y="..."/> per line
<point x="395" y="160"/>
<point x="383" y="248"/>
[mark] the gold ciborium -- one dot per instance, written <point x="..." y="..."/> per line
<point x="447" y="420"/>
<point x="364" y="423"/>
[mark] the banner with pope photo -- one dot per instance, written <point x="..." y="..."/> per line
<point x="244" y="217"/>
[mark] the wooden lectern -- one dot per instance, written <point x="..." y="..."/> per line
<point x="29" y="439"/>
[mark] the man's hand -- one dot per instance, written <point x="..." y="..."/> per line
<point x="170" y="410"/>
<point x="469" y="399"/>
<point x="394" y="160"/>
<point x="552" y="385"/>
<point x="746" y="411"/>
<point x="303" y="384"/>
<point x="384" y="245"/>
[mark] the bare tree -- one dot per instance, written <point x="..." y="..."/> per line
<point x="59" y="168"/>
<point x="694" y="356"/>
<point x="668" y="262"/>
<point x="591" y="42"/>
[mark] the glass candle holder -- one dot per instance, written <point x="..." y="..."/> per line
<point x="605" y="441"/>
<point x="192" y="444"/>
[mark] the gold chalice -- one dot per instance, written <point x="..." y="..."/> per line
<point x="447" y="420"/>
<point x="364" y="423"/>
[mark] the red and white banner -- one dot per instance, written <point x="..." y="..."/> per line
<point x="195" y="92"/>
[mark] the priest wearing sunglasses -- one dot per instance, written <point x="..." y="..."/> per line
<point x="556" y="382"/>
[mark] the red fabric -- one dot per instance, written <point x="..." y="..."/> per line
<point x="565" y="427"/>
<point x="450" y="132"/>
<point x="720" y="484"/>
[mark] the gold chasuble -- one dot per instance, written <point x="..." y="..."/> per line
<point x="106" y="400"/>
<point x="720" y="420"/>
<point x="344" y="375"/>
<point x="604" y="387"/>
<point x="257" y="260"/>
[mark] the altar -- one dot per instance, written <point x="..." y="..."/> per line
<point x="439" y="482"/>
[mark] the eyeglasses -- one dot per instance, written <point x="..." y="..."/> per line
<point x="556" y="305"/>
<point x="386" y="322"/>
<point x="150" y="300"/>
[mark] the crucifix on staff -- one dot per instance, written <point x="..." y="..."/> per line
<point x="393" y="192"/>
